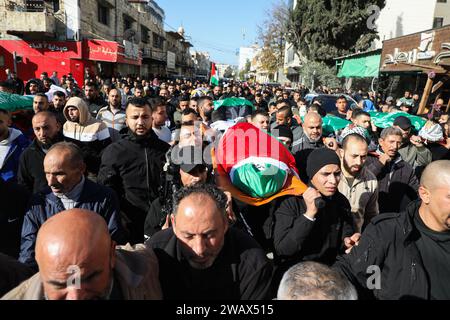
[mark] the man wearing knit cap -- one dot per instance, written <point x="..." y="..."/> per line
<point x="304" y="232"/>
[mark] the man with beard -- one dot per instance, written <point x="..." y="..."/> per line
<point x="93" y="99"/>
<point x="31" y="169"/>
<point x="59" y="102"/>
<point x="159" y="116"/>
<point x="358" y="184"/>
<point x="397" y="181"/>
<point x="202" y="258"/>
<point x="132" y="166"/>
<point x="78" y="260"/>
<point x="311" y="140"/>
<point x="206" y="107"/>
<point x="113" y="115"/>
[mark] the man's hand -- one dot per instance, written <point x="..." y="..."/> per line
<point x="349" y="114"/>
<point x="331" y="143"/>
<point x="229" y="209"/>
<point x="310" y="196"/>
<point x="384" y="158"/>
<point x="351" y="242"/>
<point x="417" y="141"/>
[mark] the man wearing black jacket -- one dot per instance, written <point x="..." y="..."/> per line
<point x="31" y="166"/>
<point x="132" y="167"/>
<point x="397" y="180"/>
<point x="406" y="255"/>
<point x="302" y="231"/>
<point x="202" y="258"/>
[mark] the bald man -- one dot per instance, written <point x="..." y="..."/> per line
<point x="78" y="260"/>
<point x="67" y="189"/>
<point x="309" y="141"/>
<point x="406" y="255"/>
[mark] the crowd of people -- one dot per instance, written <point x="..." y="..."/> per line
<point x="121" y="184"/>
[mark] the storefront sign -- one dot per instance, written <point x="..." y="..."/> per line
<point x="48" y="46"/>
<point x="416" y="52"/>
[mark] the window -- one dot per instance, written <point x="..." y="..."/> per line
<point x="442" y="1"/>
<point x="103" y="14"/>
<point x="158" y="41"/>
<point x="438" y="22"/>
<point x="127" y="23"/>
<point x="144" y="34"/>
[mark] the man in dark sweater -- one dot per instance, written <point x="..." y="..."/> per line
<point x="202" y="258"/>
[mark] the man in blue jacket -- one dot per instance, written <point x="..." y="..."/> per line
<point x="12" y="144"/>
<point x="68" y="189"/>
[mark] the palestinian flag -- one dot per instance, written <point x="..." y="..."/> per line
<point x="214" y="75"/>
<point x="233" y="108"/>
<point x="15" y="102"/>
<point x="255" y="167"/>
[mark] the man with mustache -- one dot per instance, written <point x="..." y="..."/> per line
<point x="67" y="189"/>
<point x="397" y="181"/>
<point x="202" y="258"/>
<point x="409" y="251"/>
<point x="133" y="166"/>
<point x="358" y="184"/>
<point x="31" y="166"/>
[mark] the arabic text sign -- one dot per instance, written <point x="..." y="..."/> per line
<point x="98" y="50"/>
<point x="408" y="53"/>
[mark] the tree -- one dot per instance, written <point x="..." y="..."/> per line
<point x="272" y="36"/>
<point x="322" y="74"/>
<point x="244" y="72"/>
<point x="322" y="30"/>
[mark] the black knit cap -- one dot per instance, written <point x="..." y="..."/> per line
<point x="320" y="158"/>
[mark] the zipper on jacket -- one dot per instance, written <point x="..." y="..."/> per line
<point x="147" y="173"/>
<point x="413" y="272"/>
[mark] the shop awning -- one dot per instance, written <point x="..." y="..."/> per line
<point x="364" y="65"/>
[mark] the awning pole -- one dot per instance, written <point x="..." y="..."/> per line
<point x="426" y="95"/>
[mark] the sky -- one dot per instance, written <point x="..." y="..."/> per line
<point x="217" y="26"/>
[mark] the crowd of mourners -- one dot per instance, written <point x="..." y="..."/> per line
<point x="132" y="186"/>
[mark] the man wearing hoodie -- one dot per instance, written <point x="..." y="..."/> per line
<point x="91" y="135"/>
<point x="12" y="144"/>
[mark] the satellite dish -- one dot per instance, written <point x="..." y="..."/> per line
<point x="132" y="36"/>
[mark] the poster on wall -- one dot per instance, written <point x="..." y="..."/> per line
<point x="72" y="11"/>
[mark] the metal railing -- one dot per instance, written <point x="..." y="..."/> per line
<point x="28" y="6"/>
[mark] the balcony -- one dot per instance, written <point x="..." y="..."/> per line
<point x="157" y="55"/>
<point x="37" y="20"/>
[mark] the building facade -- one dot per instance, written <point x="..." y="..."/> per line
<point x="179" y="61"/>
<point x="403" y="17"/>
<point x="106" y="37"/>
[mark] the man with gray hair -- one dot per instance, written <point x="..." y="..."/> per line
<point x="397" y="181"/>
<point x="315" y="281"/>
